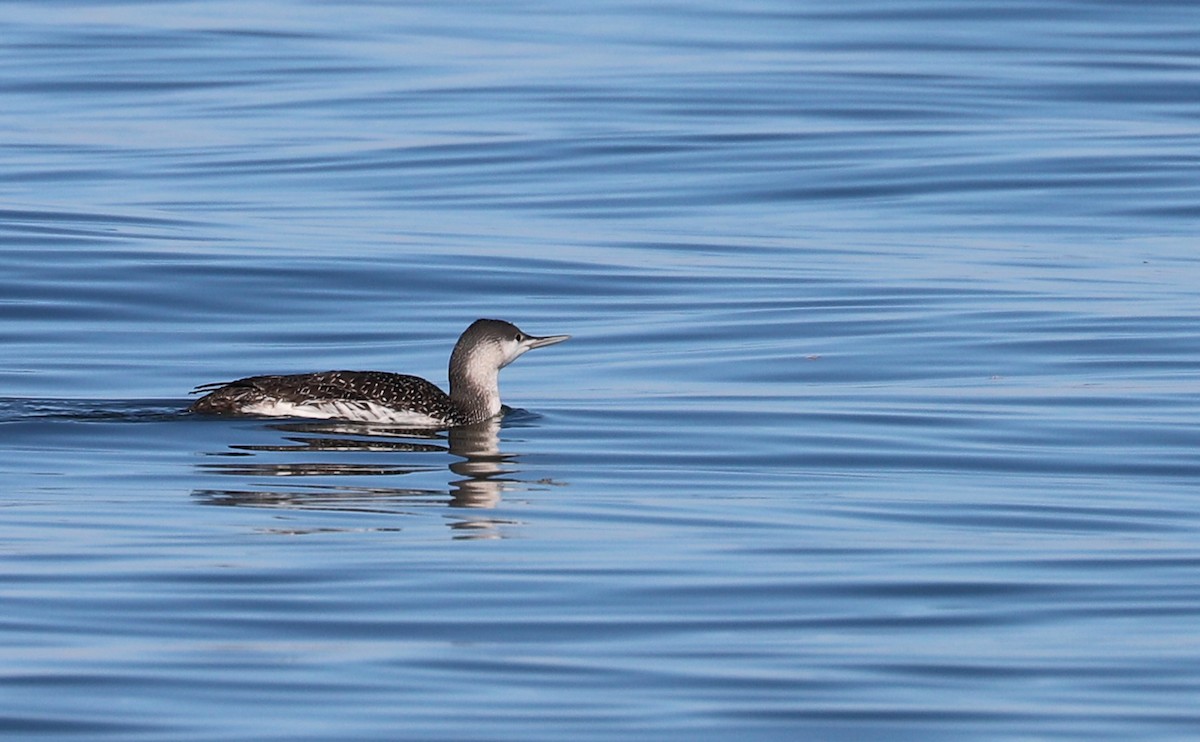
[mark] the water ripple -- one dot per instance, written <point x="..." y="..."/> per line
<point x="878" y="419"/>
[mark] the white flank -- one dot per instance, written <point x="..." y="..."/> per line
<point x="367" y="412"/>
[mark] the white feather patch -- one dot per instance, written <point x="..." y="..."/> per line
<point x="367" y="412"/>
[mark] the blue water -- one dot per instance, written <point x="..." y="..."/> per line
<point x="880" y="419"/>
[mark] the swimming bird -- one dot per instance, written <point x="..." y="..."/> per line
<point x="484" y="348"/>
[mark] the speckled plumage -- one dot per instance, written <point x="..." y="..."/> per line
<point x="378" y="396"/>
<point x="328" y="388"/>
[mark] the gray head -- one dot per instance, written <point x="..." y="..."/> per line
<point x="487" y="346"/>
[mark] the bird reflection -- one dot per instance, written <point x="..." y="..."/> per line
<point x="480" y="471"/>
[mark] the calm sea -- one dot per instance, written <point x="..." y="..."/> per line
<point x="881" y="418"/>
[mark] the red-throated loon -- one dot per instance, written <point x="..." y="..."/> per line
<point x="487" y="346"/>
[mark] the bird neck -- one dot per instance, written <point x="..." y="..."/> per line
<point x="474" y="388"/>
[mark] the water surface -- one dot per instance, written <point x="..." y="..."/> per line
<point x="878" y="420"/>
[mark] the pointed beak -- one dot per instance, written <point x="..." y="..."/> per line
<point x="534" y="342"/>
